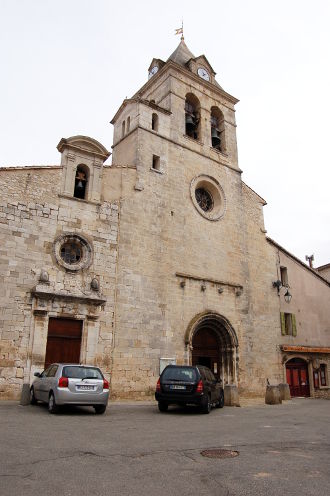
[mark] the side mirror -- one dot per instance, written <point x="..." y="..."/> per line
<point x="37" y="374"/>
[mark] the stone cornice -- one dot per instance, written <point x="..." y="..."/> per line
<point x="49" y="294"/>
<point x="182" y="145"/>
<point x="170" y="64"/>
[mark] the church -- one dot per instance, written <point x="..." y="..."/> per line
<point x="161" y="257"/>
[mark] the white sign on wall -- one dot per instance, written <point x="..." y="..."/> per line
<point x="163" y="362"/>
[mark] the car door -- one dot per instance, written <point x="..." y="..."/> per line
<point x="43" y="385"/>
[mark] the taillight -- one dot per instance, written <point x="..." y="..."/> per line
<point x="158" y="386"/>
<point x="199" y="388"/>
<point x="105" y="384"/>
<point x="63" y="382"/>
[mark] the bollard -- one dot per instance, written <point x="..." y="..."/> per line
<point x="273" y="396"/>
<point x="231" y="395"/>
<point x="25" y="395"/>
<point x="284" y="391"/>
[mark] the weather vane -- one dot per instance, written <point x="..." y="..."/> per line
<point x="180" y="31"/>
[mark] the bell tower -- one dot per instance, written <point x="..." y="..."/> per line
<point x="182" y="226"/>
<point x="191" y="109"/>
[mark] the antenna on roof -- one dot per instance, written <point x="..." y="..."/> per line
<point x="310" y="260"/>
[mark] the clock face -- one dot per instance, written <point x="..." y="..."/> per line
<point x="153" y="71"/>
<point x="203" y="73"/>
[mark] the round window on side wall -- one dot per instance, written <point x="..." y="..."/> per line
<point x="208" y="197"/>
<point x="72" y="251"/>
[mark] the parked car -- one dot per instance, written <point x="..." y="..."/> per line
<point x="187" y="385"/>
<point x="70" y="384"/>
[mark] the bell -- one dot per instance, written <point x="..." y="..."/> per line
<point x="80" y="185"/>
<point x="215" y="138"/>
<point x="190" y="122"/>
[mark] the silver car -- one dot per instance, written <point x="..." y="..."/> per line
<point x="70" y="384"/>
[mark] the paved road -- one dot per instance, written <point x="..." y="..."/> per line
<point x="135" y="450"/>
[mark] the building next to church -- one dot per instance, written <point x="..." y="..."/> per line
<point x="161" y="257"/>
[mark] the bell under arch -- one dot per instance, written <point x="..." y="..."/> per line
<point x="212" y="342"/>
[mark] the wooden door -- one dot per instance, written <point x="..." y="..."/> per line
<point x="63" y="341"/>
<point x="206" y="350"/>
<point x="297" y="377"/>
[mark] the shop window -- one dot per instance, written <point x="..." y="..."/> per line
<point x="288" y="324"/>
<point x="155" y="162"/>
<point x="323" y="374"/>
<point x="192" y="116"/>
<point x="284" y="276"/>
<point x="217" y="129"/>
<point x="154" y="122"/>
<point x="81" y="182"/>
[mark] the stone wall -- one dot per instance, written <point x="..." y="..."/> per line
<point x="32" y="216"/>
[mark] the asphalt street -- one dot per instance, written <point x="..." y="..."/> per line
<point x="135" y="450"/>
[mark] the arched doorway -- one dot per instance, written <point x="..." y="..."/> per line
<point x="213" y="343"/>
<point x="297" y="377"/>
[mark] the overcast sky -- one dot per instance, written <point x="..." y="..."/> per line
<point x="66" y="66"/>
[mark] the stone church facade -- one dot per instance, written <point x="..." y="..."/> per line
<point x="160" y="258"/>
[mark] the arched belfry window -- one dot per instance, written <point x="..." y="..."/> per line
<point x="154" y="122"/>
<point x="81" y="182"/>
<point x="192" y="116"/>
<point x="123" y="129"/>
<point x="217" y="129"/>
<point x="128" y="125"/>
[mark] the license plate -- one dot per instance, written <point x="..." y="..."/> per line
<point x="85" y="388"/>
<point x="176" y="386"/>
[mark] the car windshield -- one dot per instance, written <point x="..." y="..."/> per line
<point x="179" y="374"/>
<point x="82" y="372"/>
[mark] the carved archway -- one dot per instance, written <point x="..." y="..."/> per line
<point x="212" y="341"/>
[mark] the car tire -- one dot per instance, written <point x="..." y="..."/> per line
<point x="206" y="404"/>
<point x="221" y="402"/>
<point x="52" y="407"/>
<point x="33" y="400"/>
<point x="99" y="409"/>
<point x="162" y="406"/>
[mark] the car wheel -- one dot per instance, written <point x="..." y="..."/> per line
<point x="221" y="401"/>
<point x="99" y="409"/>
<point x="162" y="406"/>
<point x="33" y="400"/>
<point x="52" y="407"/>
<point x="206" y="405"/>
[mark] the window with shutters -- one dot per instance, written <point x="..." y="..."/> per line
<point x="288" y="324"/>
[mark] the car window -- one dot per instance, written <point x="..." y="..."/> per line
<point x="212" y="378"/>
<point x="179" y="374"/>
<point x="76" y="372"/>
<point x="45" y="373"/>
<point x="52" y="371"/>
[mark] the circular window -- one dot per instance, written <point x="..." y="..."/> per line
<point x="73" y="251"/>
<point x="208" y="197"/>
<point x="204" y="199"/>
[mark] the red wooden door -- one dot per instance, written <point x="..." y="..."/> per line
<point x="297" y="377"/>
<point x="63" y="341"/>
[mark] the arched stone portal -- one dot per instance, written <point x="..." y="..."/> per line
<point x="212" y="342"/>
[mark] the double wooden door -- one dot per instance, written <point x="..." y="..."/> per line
<point x="63" y="341"/>
<point x="297" y="377"/>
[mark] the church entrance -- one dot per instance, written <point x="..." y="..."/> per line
<point x="214" y="344"/>
<point x="63" y="341"/>
<point x="297" y="377"/>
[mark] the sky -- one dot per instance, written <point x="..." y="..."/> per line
<point x="67" y="65"/>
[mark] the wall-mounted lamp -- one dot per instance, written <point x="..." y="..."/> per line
<point x="287" y="296"/>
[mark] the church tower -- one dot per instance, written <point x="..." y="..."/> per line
<point x="183" y="269"/>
